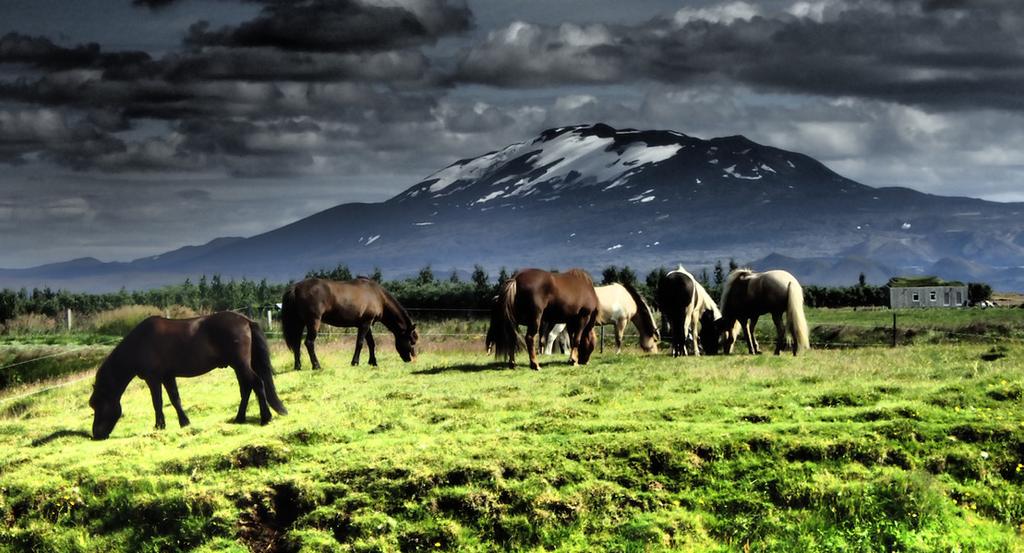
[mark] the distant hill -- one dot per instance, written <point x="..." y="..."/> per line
<point x="592" y="196"/>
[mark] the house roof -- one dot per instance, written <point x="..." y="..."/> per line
<point x="915" y="281"/>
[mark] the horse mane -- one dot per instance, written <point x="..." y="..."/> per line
<point x="403" y="314"/>
<point x="580" y="273"/>
<point x="727" y="287"/>
<point x="707" y="300"/>
<point x="644" y="312"/>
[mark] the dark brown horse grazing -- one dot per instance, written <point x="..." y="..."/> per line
<point x="158" y="350"/>
<point x="534" y="295"/>
<point x="352" y="303"/>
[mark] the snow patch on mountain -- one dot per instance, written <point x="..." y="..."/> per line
<point x="731" y="170"/>
<point x="471" y="169"/>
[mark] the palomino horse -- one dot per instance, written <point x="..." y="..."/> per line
<point x="748" y="295"/>
<point x="617" y="305"/>
<point x="353" y="303"/>
<point x="533" y="295"/>
<point x="158" y="350"/>
<point x="689" y="311"/>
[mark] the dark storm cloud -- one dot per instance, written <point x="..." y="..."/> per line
<point x="153" y="4"/>
<point x="234" y="98"/>
<point x="42" y="53"/>
<point x="947" y="55"/>
<point x="337" y="26"/>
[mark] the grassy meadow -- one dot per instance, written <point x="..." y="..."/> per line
<point x="874" y="449"/>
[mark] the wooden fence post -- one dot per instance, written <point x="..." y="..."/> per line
<point x="69" y="319"/>
<point x="894" y="328"/>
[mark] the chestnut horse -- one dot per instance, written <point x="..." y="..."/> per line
<point x="158" y="350"/>
<point x="618" y="304"/>
<point x="351" y="303"/>
<point x="535" y="295"/>
<point x="748" y="295"/>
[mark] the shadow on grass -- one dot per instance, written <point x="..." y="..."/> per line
<point x="471" y="368"/>
<point x="60" y="434"/>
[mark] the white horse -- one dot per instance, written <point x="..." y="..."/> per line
<point x="748" y="295"/>
<point x="617" y="305"/>
<point x="686" y="303"/>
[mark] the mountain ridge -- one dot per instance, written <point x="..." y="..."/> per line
<point x="592" y="196"/>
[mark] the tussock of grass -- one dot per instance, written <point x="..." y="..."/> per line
<point x="912" y="449"/>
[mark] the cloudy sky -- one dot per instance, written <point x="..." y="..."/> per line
<point x="128" y="128"/>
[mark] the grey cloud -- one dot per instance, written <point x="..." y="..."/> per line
<point x="337" y="26"/>
<point x="49" y="134"/>
<point x="899" y="51"/>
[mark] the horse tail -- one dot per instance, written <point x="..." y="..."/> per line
<point x="506" y="339"/>
<point x="795" y="313"/>
<point x="291" y="320"/>
<point x="261" y="365"/>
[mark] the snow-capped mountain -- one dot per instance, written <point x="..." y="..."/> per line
<point x="591" y="196"/>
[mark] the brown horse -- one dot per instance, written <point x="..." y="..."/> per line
<point x="352" y="303"/>
<point x="158" y="350"/>
<point x="748" y="295"/>
<point x="534" y="295"/>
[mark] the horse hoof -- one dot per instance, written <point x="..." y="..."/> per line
<point x="535" y="366"/>
<point x="239" y="420"/>
<point x="264" y="422"/>
<point x="184" y="422"/>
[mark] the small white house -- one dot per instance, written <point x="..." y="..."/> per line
<point x="904" y="294"/>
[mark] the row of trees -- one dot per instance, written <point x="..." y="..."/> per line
<point x="424" y="290"/>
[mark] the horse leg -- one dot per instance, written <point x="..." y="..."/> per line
<point x="360" y="336"/>
<point x="753" y="335"/>
<point x="532" y="327"/>
<point x="748" y="334"/>
<point x="244" y="373"/>
<point x="694" y="332"/>
<point x="298" y="352"/>
<point x="780" y="333"/>
<point x="576" y="331"/>
<point x="620" y="331"/>
<point x="158" y="402"/>
<point x="311" y="331"/>
<point x="678" y="335"/>
<point x="245" y="390"/>
<point x="553" y="336"/>
<point x="172" y="393"/>
<point x="371" y="346"/>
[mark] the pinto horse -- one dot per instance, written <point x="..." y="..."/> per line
<point x="748" y="295"/>
<point x="352" y="303"/>
<point x="689" y="311"/>
<point x="534" y="295"/>
<point x="158" y="350"/>
<point x="618" y="304"/>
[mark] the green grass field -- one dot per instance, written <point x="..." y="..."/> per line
<point x="876" y="449"/>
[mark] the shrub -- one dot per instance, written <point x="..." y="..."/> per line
<point x="120" y="321"/>
<point x="31" y="323"/>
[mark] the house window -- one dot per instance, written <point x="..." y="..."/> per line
<point x="931" y="295"/>
<point x="959" y="298"/>
<point x="945" y="297"/>
<point x="916" y="297"/>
